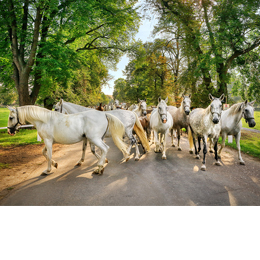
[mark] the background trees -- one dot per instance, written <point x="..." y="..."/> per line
<point x="45" y="39"/>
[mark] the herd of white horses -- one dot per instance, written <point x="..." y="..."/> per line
<point x="70" y="123"/>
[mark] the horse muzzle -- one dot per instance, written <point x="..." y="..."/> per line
<point x="144" y="113"/>
<point x="11" y="131"/>
<point x="187" y="112"/>
<point x="251" y="123"/>
<point x="164" y="120"/>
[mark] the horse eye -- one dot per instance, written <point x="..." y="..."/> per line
<point x="11" y="118"/>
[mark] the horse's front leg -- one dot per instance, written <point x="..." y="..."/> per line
<point x="203" y="166"/>
<point x="172" y="136"/>
<point x="179" y="137"/>
<point x="157" y="142"/>
<point x="164" y="144"/>
<point x="44" y="152"/>
<point x="216" y="151"/>
<point x="238" y="148"/>
<point x="224" y="136"/>
<point x="48" y="146"/>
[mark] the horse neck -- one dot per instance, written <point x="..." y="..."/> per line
<point x="33" y="114"/>
<point x="234" y="113"/>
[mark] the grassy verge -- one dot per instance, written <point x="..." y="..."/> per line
<point x="249" y="143"/>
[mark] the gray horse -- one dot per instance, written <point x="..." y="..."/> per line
<point x="180" y="118"/>
<point x="205" y="123"/>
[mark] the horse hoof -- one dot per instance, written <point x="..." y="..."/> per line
<point x="44" y="173"/>
<point x="197" y="156"/>
<point x="191" y="152"/>
<point x="127" y="159"/>
<point x="79" y="164"/>
<point x="164" y="157"/>
<point x="55" y="165"/>
<point x="203" y="167"/>
<point x="218" y="163"/>
<point x="179" y="149"/>
<point x="98" y="172"/>
<point x="106" y="161"/>
<point x="173" y="145"/>
<point x="242" y="163"/>
<point x="211" y="151"/>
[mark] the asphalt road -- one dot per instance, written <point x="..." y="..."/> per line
<point x="150" y="181"/>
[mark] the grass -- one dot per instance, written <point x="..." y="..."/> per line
<point x="249" y="143"/>
<point x="24" y="137"/>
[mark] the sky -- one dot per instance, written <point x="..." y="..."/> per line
<point x="144" y="34"/>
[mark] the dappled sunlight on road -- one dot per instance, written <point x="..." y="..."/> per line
<point x="227" y="159"/>
<point x="117" y="183"/>
<point x="232" y="199"/>
<point x="196" y="168"/>
<point x="255" y="180"/>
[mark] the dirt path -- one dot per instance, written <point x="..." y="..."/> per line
<point x="151" y="181"/>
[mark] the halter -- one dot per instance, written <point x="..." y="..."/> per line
<point x="18" y="122"/>
<point x="248" y="118"/>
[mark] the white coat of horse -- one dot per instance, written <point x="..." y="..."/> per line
<point x="161" y="122"/>
<point x="206" y="123"/>
<point x="69" y="108"/>
<point x="140" y="110"/>
<point x="231" y="124"/>
<point x="131" y="122"/>
<point x="180" y="117"/>
<point x="54" y="127"/>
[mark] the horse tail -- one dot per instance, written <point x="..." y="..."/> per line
<point x="190" y="137"/>
<point x="117" y="130"/>
<point x="141" y="134"/>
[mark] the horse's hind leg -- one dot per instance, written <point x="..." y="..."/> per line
<point x="195" y="148"/>
<point x="216" y="151"/>
<point x="47" y="152"/>
<point x="164" y="145"/>
<point x="84" y="146"/>
<point x="172" y="136"/>
<point x="104" y="149"/>
<point x="203" y="166"/>
<point x="179" y="137"/>
<point x="93" y="150"/>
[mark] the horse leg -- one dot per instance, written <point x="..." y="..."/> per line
<point x="93" y="150"/>
<point x="195" y="148"/>
<point x="84" y="146"/>
<point x="171" y="131"/>
<point x="157" y="142"/>
<point x="44" y="151"/>
<point x="179" y="137"/>
<point x="211" y="150"/>
<point x="104" y="149"/>
<point x="216" y="151"/>
<point x="203" y="166"/>
<point x="224" y="136"/>
<point x="164" y="145"/>
<point x="48" y="153"/>
<point x="238" y="148"/>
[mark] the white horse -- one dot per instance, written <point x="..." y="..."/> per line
<point x="180" y="118"/>
<point x="132" y="107"/>
<point x="140" y="110"/>
<point x="69" y="108"/>
<point x="161" y="122"/>
<point x="56" y="127"/>
<point x="131" y="122"/>
<point x="206" y="123"/>
<point x="231" y="124"/>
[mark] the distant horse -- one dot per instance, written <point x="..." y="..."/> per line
<point x="140" y="110"/>
<point x="205" y="123"/>
<point x="132" y="107"/>
<point x="231" y="124"/>
<point x="117" y="104"/>
<point x="131" y="122"/>
<point x="161" y="122"/>
<point x="180" y="118"/>
<point x="69" y="108"/>
<point x="55" y="127"/>
<point x="100" y="107"/>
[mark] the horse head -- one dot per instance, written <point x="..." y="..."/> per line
<point x="59" y="107"/>
<point x="117" y="103"/>
<point x="248" y="113"/>
<point x="142" y="106"/>
<point x="216" y="107"/>
<point x="13" y="121"/>
<point x="186" y="102"/>
<point x="162" y="109"/>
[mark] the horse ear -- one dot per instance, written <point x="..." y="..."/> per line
<point x="159" y="99"/>
<point x="211" y="97"/>
<point x="145" y="99"/>
<point x="11" y="108"/>
<point x="183" y="95"/>
<point x="139" y="100"/>
<point x="222" y="97"/>
<point x="189" y="95"/>
<point x="252" y="103"/>
<point x="166" y="100"/>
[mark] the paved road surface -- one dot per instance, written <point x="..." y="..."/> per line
<point x="151" y="181"/>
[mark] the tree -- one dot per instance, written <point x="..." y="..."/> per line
<point x="47" y="36"/>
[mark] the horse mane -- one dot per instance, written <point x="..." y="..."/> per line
<point x="234" y="109"/>
<point x="26" y="113"/>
